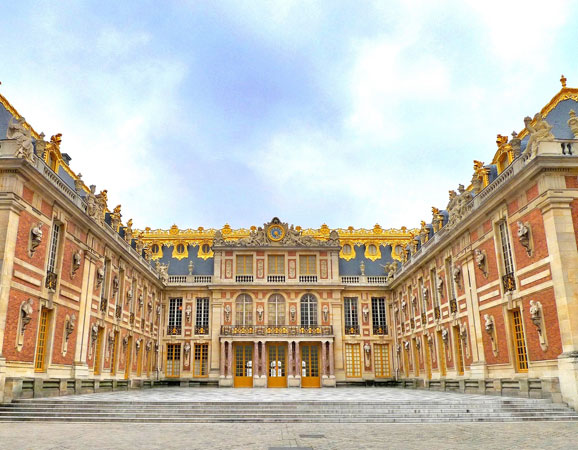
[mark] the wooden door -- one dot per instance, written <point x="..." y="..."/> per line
<point x="243" y="364"/>
<point x="310" y="376"/>
<point x="276" y="365"/>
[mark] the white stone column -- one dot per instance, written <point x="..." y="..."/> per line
<point x="323" y="359"/>
<point x="563" y="253"/>
<point x="222" y="362"/>
<point x="230" y="369"/>
<point x="290" y="360"/>
<point x="331" y="361"/>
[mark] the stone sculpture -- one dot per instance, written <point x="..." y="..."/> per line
<point x="541" y="131"/>
<point x="16" y="130"/>
<point x="524" y="236"/>
<point x="35" y="237"/>
<point x="573" y="123"/>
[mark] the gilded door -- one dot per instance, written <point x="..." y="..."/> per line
<point x="276" y="365"/>
<point x="243" y="365"/>
<point x="310" y="377"/>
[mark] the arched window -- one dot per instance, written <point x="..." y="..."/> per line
<point x="372" y="249"/>
<point x="347" y="249"/>
<point x="308" y="310"/>
<point x="244" y="310"/>
<point x="276" y="310"/>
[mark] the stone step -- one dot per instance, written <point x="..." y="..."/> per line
<point x="298" y="419"/>
<point x="383" y="409"/>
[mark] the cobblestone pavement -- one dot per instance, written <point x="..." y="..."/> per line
<point x="535" y="435"/>
<point x="176" y="394"/>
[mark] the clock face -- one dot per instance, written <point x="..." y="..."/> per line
<point x="276" y="232"/>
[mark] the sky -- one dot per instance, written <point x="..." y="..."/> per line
<point x="349" y="113"/>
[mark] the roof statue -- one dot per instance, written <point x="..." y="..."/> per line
<point x="540" y="131"/>
<point x="17" y="130"/>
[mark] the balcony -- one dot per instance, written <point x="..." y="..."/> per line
<point x="352" y="329"/>
<point x="103" y="305"/>
<point x="276" y="330"/>
<point x="453" y="306"/>
<point x="201" y="330"/>
<point x="244" y="278"/>
<point x="437" y="313"/>
<point x="423" y="319"/>
<point x="307" y="278"/>
<point x="356" y="279"/>
<point x="131" y="318"/>
<point x="51" y="280"/>
<point x="509" y="282"/>
<point x="412" y="323"/>
<point x="118" y="312"/>
<point x="189" y="279"/>
<point x="173" y="331"/>
<point x="380" y="331"/>
<point x="275" y="278"/>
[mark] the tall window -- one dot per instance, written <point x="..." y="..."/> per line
<point x="459" y="351"/>
<point x="105" y="283"/>
<point x="244" y="264"/>
<point x="98" y="351"/>
<point x="352" y="360"/>
<point x="114" y="352"/>
<point x="202" y="317"/>
<point x="307" y="265"/>
<point x="450" y="278"/>
<point x="244" y="310"/>
<point x="422" y="298"/>
<point x="201" y="360"/>
<point x="276" y="310"/>
<point x="350" y="309"/>
<point x="121" y="282"/>
<point x="506" y="248"/>
<point x="42" y="343"/>
<point x="378" y="315"/>
<point x="175" y="315"/>
<point x="52" y="253"/>
<point x="276" y="264"/>
<point x="381" y="360"/>
<point x="139" y="351"/>
<point x="441" y="355"/>
<point x="308" y="310"/>
<point x="519" y="342"/>
<point x="173" y="360"/>
<point x="415" y="358"/>
<point x="434" y="287"/>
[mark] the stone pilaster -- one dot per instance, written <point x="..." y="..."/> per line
<point x="561" y="240"/>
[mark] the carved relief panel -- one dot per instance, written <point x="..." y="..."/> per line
<point x="292" y="268"/>
<point x="323" y="268"/>
<point x="228" y="268"/>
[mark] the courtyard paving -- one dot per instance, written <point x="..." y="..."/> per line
<point x="535" y="435"/>
<point x="177" y="394"/>
<point x="269" y="436"/>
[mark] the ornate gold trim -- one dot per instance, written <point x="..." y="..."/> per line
<point x="197" y="237"/>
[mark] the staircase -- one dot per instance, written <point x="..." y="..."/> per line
<point x="489" y="409"/>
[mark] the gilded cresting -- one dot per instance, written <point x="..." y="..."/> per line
<point x="371" y="239"/>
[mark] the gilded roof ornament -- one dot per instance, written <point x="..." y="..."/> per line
<point x="563" y="81"/>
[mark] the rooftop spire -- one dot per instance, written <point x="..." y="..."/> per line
<point x="563" y="81"/>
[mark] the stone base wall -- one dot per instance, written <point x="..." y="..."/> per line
<point x="17" y="388"/>
<point x="548" y="388"/>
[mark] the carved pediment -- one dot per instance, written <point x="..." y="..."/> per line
<point x="277" y="234"/>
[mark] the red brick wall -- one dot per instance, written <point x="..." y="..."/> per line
<point x="58" y="322"/>
<point x="10" y="333"/>
<point x="538" y="237"/>
<point x="535" y="353"/>
<point x="27" y="221"/>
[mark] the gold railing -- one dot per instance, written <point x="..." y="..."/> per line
<point x="276" y="330"/>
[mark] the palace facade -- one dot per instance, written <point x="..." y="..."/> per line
<point x="481" y="298"/>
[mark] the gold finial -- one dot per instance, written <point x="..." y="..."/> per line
<point x="563" y="81"/>
<point x="501" y="140"/>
